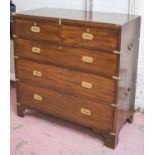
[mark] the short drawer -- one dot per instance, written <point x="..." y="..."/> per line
<point x="96" y="38"/>
<point x="37" y="29"/>
<point x="67" y="81"/>
<point x="85" y="112"/>
<point x="92" y="61"/>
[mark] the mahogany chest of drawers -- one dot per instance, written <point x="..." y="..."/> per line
<point x="77" y="67"/>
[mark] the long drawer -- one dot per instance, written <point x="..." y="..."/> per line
<point x="84" y="112"/>
<point x="79" y="84"/>
<point x="37" y="29"/>
<point x="75" y="58"/>
<point x="98" y="38"/>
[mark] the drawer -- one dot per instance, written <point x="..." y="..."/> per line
<point x="78" y="110"/>
<point x="96" y="38"/>
<point x="67" y="81"/>
<point x="37" y="29"/>
<point x="92" y="61"/>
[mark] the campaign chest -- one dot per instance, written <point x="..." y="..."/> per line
<point x="78" y="67"/>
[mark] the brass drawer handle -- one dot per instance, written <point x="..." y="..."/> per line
<point x="87" y="36"/>
<point x="37" y="73"/>
<point x="86" y="111"/>
<point x="36" y="50"/>
<point x="87" y="59"/>
<point x="87" y="85"/>
<point x="35" y="29"/>
<point x="37" y="97"/>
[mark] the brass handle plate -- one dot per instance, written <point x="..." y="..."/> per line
<point x="37" y="73"/>
<point x="87" y="85"/>
<point x="86" y="111"/>
<point x="87" y="59"/>
<point x="36" y="50"/>
<point x="37" y="97"/>
<point x="35" y="29"/>
<point x="87" y="36"/>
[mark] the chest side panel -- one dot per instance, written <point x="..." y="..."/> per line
<point x="128" y="71"/>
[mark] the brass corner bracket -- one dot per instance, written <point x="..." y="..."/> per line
<point x="116" y="77"/>
<point x="60" y="21"/>
<point x="16" y="57"/>
<point x="18" y="103"/>
<point x="17" y="79"/>
<point x="112" y="133"/>
<point x="114" y="105"/>
<point x="14" y="36"/>
<point x="117" y="52"/>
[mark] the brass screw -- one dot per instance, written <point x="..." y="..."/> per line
<point x="60" y="47"/>
<point x="14" y="36"/>
<point x="35" y="23"/>
<point x="87" y="30"/>
<point x="60" y="95"/>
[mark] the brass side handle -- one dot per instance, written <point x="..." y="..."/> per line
<point x="87" y="85"/>
<point x="130" y="47"/>
<point x="37" y="97"/>
<point x="87" y="36"/>
<point x="37" y="73"/>
<point x="35" y="29"/>
<point x="85" y="111"/>
<point x="127" y="92"/>
<point x="87" y="59"/>
<point x="36" y="50"/>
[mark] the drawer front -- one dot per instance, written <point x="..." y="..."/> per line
<point x="37" y="29"/>
<point x="96" y="38"/>
<point x="81" y="59"/>
<point x="78" y="110"/>
<point x="79" y="84"/>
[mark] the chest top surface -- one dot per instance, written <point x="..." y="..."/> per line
<point x="100" y="17"/>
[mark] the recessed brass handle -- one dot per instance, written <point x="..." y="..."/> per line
<point x="37" y="73"/>
<point x="86" y="111"/>
<point x="35" y="29"/>
<point x="87" y="85"/>
<point x="87" y="36"/>
<point x="37" y="97"/>
<point x="87" y="59"/>
<point x="36" y="50"/>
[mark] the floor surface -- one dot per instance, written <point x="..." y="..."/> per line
<point x="40" y="134"/>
